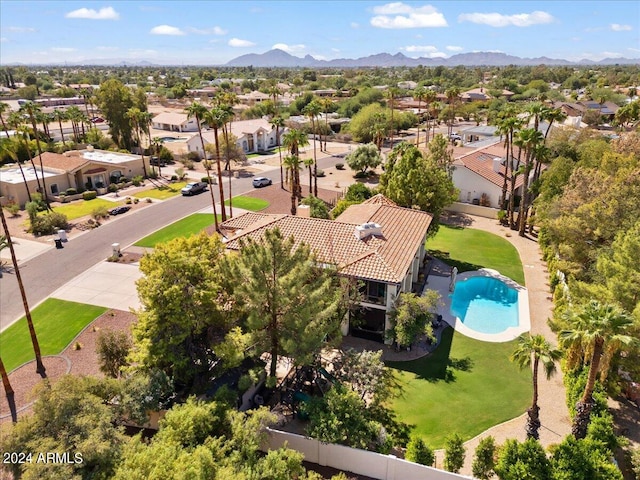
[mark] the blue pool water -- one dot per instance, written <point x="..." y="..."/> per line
<point x="485" y="304"/>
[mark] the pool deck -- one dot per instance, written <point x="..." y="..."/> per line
<point x="441" y="285"/>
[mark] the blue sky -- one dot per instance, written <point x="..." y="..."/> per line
<point x="214" y="32"/>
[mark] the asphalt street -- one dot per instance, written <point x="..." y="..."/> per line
<point x="44" y="274"/>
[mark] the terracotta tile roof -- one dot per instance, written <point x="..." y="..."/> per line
<point x="481" y="163"/>
<point x="61" y="162"/>
<point x="384" y="258"/>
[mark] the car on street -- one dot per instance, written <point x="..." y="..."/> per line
<point x="119" y="210"/>
<point x="455" y="137"/>
<point x="193" y="188"/>
<point x="261" y="182"/>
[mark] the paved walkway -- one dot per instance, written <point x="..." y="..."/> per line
<point x="554" y="414"/>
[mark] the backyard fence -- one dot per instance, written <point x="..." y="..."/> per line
<point x="361" y="462"/>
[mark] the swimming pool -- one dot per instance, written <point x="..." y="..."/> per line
<point x="173" y="139"/>
<point x="485" y="304"/>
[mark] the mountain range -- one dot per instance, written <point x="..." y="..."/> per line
<point x="280" y="58"/>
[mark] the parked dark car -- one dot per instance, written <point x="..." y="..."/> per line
<point x="193" y="188"/>
<point x="119" y="210"/>
<point x="261" y="182"/>
<point x="158" y="162"/>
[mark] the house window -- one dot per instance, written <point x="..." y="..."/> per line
<point x="114" y="177"/>
<point x="54" y="188"/>
<point x="374" y="292"/>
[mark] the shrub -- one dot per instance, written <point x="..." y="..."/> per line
<point x="13" y="209"/>
<point x="339" y="166"/>
<point x="112" y="348"/>
<point x="165" y="155"/>
<point x="174" y="178"/>
<point x="48" y="224"/>
<point x="180" y="173"/>
<point x="89" y="195"/>
<point x="148" y="200"/>
<point x="112" y="187"/>
<point x="99" y="185"/>
<point x="137" y="180"/>
<point x="483" y="461"/>
<point x="454" y="453"/>
<point x="128" y="201"/>
<point x="419" y="452"/>
<point x="318" y="207"/>
<point x="136" y="200"/>
<point x="188" y="164"/>
<point x="71" y="191"/>
<point x="358" y="192"/>
<point x="99" y="212"/>
<point x="193" y="156"/>
<point x="320" y="173"/>
<point x="153" y="174"/>
<point x="205" y="180"/>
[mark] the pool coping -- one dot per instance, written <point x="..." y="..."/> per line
<point x="441" y="284"/>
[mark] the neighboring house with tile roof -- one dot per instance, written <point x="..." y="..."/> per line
<point x="479" y="175"/>
<point x="79" y="169"/>
<point x="377" y="242"/>
<point x="253" y="136"/>
<point x="174" y="122"/>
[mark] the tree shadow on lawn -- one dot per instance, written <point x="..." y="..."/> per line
<point x="439" y="365"/>
<point x="460" y="265"/>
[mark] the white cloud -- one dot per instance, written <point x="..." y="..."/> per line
<point x="238" y="42"/>
<point x="616" y="27"/>
<point x="290" y="48"/>
<point x="166" y="30"/>
<point x="63" y="49"/>
<point x="335" y="50"/>
<point x="499" y="20"/>
<point x="208" y="31"/>
<point x="407" y="16"/>
<point x="106" y="13"/>
<point x="355" y="25"/>
<point x="21" y="29"/>
<point x="420" y="48"/>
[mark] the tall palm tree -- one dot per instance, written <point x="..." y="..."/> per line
<point x="8" y="390"/>
<point x="274" y="92"/>
<point x="156" y="144"/>
<point x="308" y="162"/>
<point x="538" y="349"/>
<point x="4" y="107"/>
<point x="326" y="104"/>
<point x="379" y="129"/>
<point x="430" y="98"/>
<point x="312" y="110"/>
<point x="22" y="132"/>
<point x="391" y="94"/>
<point x="199" y="111"/>
<point x="292" y="141"/>
<point x="293" y="164"/>
<point x="135" y="119"/>
<point x="60" y="115"/>
<point x="453" y="94"/>
<point x="278" y="123"/>
<point x="40" y="369"/>
<point x="419" y="94"/>
<point x="508" y="123"/>
<point x="216" y="118"/>
<point x="596" y="333"/>
<point x="31" y="110"/>
<point x="529" y="140"/>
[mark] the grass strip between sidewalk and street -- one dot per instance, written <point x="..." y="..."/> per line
<point x="56" y="322"/>
<point x="162" y="193"/>
<point x="248" y="203"/>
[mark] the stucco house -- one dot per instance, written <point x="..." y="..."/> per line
<point x="174" y="122"/>
<point x="79" y="169"/>
<point x="377" y="243"/>
<point x="253" y="136"/>
<point x="479" y="175"/>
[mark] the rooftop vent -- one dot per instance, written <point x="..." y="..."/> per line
<point x="367" y="229"/>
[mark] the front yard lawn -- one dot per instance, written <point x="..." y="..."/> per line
<point x="162" y="193"/>
<point x="465" y="386"/>
<point x="249" y="203"/>
<point x="82" y="208"/>
<point x="57" y="323"/>
<point x="188" y="226"/>
<point x="470" y="249"/>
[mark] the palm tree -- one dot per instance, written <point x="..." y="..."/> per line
<point x="31" y="109"/>
<point x="312" y="110"/>
<point x="278" y="123"/>
<point x="60" y="115"/>
<point x="156" y="144"/>
<point x="216" y="118"/>
<point x="430" y="98"/>
<point x="419" y="94"/>
<point x="379" y="129"/>
<point x="391" y="94"/>
<point x="8" y="390"/>
<point x="22" y="132"/>
<point x="596" y="333"/>
<point x="507" y="125"/>
<point x="4" y="107"/>
<point x="199" y="111"/>
<point x="292" y="141"/>
<point x="135" y="118"/>
<point x="326" y="103"/>
<point x="274" y="92"/>
<point x="539" y="349"/>
<point x="9" y="149"/>
<point x="452" y="94"/>
<point x="308" y="162"/>
<point x="292" y="164"/>
<point x="528" y="140"/>
<point x="40" y="369"/>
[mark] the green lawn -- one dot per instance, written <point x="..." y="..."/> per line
<point x="470" y="249"/>
<point x="84" y="207"/>
<point x="182" y="228"/>
<point x="57" y="322"/>
<point x="249" y="203"/>
<point x="465" y="386"/>
<point x="162" y="193"/>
